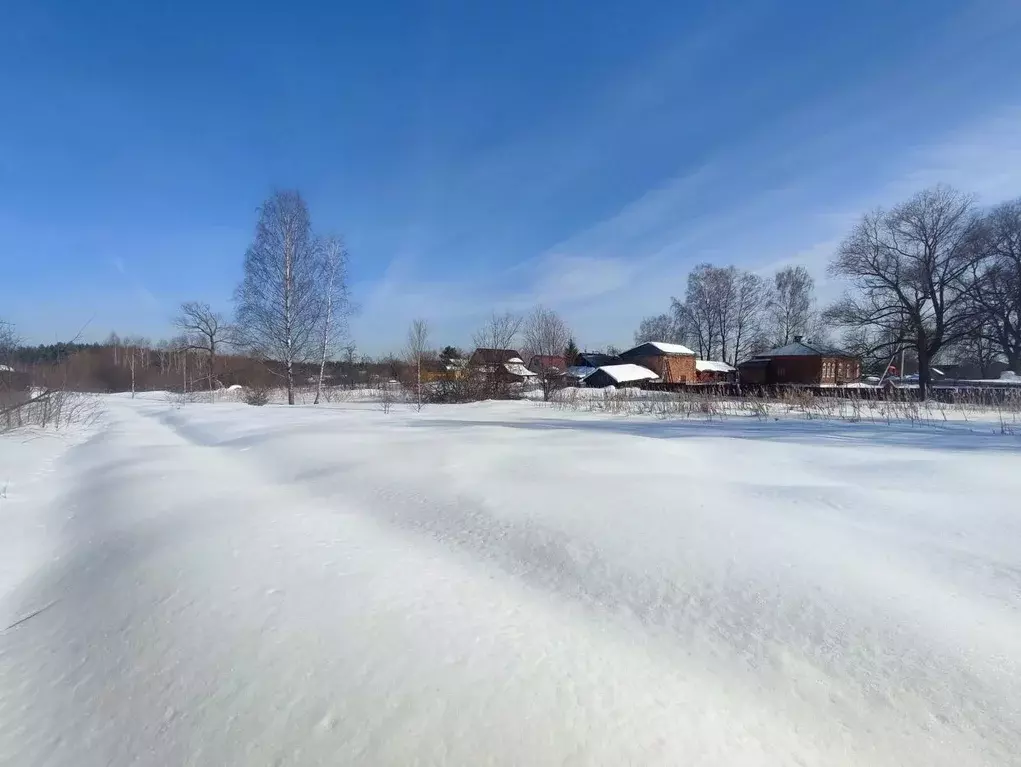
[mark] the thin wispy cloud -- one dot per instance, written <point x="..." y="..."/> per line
<point x="583" y="157"/>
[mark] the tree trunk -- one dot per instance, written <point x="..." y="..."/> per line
<point x="923" y="372"/>
<point x="326" y="342"/>
<point x="290" y="383"/>
<point x="212" y="362"/>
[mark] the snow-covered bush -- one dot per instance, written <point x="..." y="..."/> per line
<point x="257" y="395"/>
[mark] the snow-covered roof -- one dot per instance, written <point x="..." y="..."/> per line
<point x="626" y="372"/>
<point x="667" y="348"/>
<point x="516" y="361"/>
<point x="580" y="371"/>
<point x="518" y="368"/>
<point x="712" y="366"/>
<point x="800" y="348"/>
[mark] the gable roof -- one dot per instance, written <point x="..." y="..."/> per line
<point x="595" y="359"/>
<point x="656" y="349"/>
<point x="483" y="356"/>
<point x="547" y="361"/>
<point x="625" y="372"/>
<point x="800" y="348"/>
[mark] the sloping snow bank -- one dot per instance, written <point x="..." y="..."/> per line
<point x="505" y="584"/>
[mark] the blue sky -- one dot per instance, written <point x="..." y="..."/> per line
<point x="476" y="156"/>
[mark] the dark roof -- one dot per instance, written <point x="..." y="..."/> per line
<point x="547" y="361"/>
<point x="596" y="360"/>
<point x="657" y="349"/>
<point x="800" y="348"/>
<point x="493" y="356"/>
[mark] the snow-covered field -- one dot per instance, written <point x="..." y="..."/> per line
<point x="506" y="583"/>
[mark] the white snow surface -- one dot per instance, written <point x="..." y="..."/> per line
<point x="667" y="348"/>
<point x="627" y="372"/>
<point x="505" y="584"/>
<point x="518" y="368"/>
<point x="714" y="366"/>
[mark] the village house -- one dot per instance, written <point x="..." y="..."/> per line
<point x="504" y="365"/>
<point x="586" y="363"/>
<point x="672" y="363"/>
<point x="801" y="362"/>
<point x="547" y="363"/>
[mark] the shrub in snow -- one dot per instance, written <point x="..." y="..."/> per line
<point x="257" y="395"/>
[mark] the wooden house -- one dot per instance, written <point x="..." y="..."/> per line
<point x="503" y="365"/>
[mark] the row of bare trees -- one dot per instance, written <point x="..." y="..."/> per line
<point x="935" y="274"/>
<point x="729" y="313"/>
<point x="542" y="334"/>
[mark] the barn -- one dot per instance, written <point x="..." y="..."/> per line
<point x="801" y="362"/>
<point x="673" y="363"/>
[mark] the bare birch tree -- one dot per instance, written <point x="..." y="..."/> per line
<point x="335" y="300"/>
<point x="911" y="271"/>
<point x="698" y="311"/>
<point x="203" y="330"/>
<point x="747" y="315"/>
<point x="278" y="300"/>
<point x="499" y="331"/>
<point x="418" y="342"/>
<point x="546" y="335"/>
<point x="721" y="312"/>
<point x="790" y="304"/>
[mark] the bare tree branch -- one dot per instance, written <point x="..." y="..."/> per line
<point x="546" y="335"/>
<point x="418" y="341"/>
<point x="911" y="271"/>
<point x="499" y="331"/>
<point x="335" y="302"/>
<point x="204" y="330"/>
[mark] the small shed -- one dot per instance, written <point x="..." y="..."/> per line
<point x="801" y="362"/>
<point x="618" y="375"/>
<point x="712" y="371"/>
<point x="672" y="363"/>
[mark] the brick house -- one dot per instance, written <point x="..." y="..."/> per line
<point x="801" y="362"/>
<point x="673" y="363"/>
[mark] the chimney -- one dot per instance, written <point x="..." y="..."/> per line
<point x="797" y="339"/>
